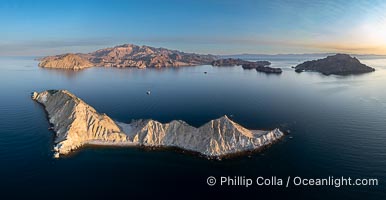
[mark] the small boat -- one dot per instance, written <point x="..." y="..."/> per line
<point x="148" y="92"/>
<point x="290" y="137"/>
<point x="51" y="128"/>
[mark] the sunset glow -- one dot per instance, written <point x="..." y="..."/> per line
<point x="216" y="27"/>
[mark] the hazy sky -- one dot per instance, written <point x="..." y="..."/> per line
<point x="203" y="26"/>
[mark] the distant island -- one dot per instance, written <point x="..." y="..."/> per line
<point x="77" y="124"/>
<point x="127" y="55"/>
<point x="66" y="61"/>
<point x="230" y="62"/>
<point x="339" y="64"/>
<point x="260" y="66"/>
<point x="130" y="55"/>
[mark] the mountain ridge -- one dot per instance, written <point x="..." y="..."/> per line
<point x="76" y="124"/>
<point x="127" y="55"/>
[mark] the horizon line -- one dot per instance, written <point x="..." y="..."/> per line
<point x="99" y="47"/>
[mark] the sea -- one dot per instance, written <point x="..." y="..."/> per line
<point x="336" y="124"/>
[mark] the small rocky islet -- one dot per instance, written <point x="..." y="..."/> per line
<point x="127" y="55"/>
<point x="260" y="66"/>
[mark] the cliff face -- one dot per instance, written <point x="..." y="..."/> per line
<point x="77" y="123"/>
<point x="218" y="137"/>
<point x="130" y="55"/>
<point x="66" y="61"/>
<point x="339" y="64"/>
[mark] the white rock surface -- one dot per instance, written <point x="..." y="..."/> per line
<point x="77" y="123"/>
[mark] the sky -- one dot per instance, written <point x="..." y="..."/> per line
<point x="34" y="28"/>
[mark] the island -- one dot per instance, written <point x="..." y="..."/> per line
<point x="127" y="55"/>
<point x="66" y="61"/>
<point x="228" y="62"/>
<point x="339" y="64"/>
<point x="260" y="66"/>
<point x="77" y="124"/>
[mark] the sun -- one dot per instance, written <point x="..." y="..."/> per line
<point x="373" y="33"/>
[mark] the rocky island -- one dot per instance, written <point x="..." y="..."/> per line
<point x="127" y="55"/>
<point x="66" y="61"/>
<point x="260" y="66"/>
<point x="339" y="64"/>
<point x="77" y="124"/>
<point x="228" y="62"/>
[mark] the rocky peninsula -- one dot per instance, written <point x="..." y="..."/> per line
<point x="339" y="64"/>
<point x="127" y="55"/>
<point x="76" y="124"/>
<point x="260" y="66"/>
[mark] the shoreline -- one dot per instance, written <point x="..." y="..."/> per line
<point x="100" y="145"/>
<point x="77" y="124"/>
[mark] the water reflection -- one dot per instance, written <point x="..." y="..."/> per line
<point x="337" y="123"/>
<point x="70" y="74"/>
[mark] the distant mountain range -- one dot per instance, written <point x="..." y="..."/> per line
<point x="248" y="56"/>
<point x="127" y="55"/>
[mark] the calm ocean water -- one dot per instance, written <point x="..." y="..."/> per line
<point x="338" y="125"/>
